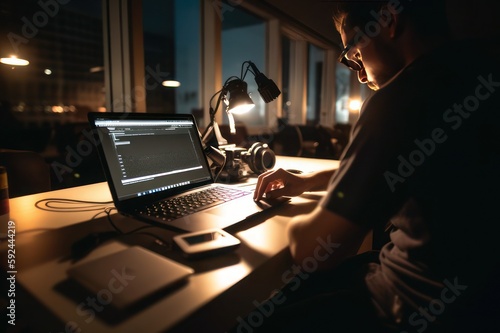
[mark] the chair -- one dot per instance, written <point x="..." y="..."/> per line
<point x="27" y="172"/>
<point x="68" y="139"/>
<point x="342" y="134"/>
<point x="288" y="141"/>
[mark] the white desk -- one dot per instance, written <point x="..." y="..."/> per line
<point x="223" y="288"/>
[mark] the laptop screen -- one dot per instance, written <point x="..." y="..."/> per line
<point x="149" y="155"/>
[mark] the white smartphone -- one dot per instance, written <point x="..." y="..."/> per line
<point x="206" y="242"/>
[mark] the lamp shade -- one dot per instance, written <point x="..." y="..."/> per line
<point x="238" y="100"/>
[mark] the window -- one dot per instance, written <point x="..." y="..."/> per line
<point x="63" y="44"/>
<point x="44" y="105"/>
<point x="244" y="38"/>
<point x="342" y="79"/>
<point x="172" y="53"/>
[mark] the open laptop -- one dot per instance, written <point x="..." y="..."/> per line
<point x="148" y="158"/>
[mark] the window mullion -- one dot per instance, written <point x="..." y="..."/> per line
<point x="274" y="61"/>
<point x="328" y="94"/>
<point x="122" y="91"/>
<point x="298" y="82"/>
<point x="212" y="58"/>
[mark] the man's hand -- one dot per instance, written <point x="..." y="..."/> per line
<point x="278" y="183"/>
<point x="281" y="183"/>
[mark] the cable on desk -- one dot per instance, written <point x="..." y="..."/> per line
<point x="90" y="242"/>
<point x="108" y="211"/>
<point x="69" y="205"/>
<point x="158" y="240"/>
<point x="47" y="204"/>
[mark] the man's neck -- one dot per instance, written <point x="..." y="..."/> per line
<point x="413" y="46"/>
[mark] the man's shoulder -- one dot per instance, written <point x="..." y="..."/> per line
<point x="442" y="76"/>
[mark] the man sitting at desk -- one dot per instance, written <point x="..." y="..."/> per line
<point x="424" y="156"/>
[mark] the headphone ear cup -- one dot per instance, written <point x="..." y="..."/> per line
<point x="251" y="160"/>
<point x="262" y="158"/>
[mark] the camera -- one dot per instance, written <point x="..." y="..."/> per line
<point x="241" y="162"/>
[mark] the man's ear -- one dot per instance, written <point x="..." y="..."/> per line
<point x="390" y="20"/>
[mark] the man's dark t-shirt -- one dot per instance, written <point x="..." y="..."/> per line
<point x="425" y="156"/>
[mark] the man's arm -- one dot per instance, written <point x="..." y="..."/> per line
<point x="324" y="236"/>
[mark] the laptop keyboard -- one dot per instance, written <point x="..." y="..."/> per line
<point x="177" y="207"/>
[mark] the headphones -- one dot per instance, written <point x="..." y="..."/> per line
<point x="260" y="158"/>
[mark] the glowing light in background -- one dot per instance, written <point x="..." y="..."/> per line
<point x="355" y="104"/>
<point x="14" y="61"/>
<point x="171" y="83"/>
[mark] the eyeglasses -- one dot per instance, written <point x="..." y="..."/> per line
<point x="351" y="64"/>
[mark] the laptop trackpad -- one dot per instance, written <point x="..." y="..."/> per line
<point x="240" y="209"/>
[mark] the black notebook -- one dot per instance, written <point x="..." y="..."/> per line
<point x="130" y="275"/>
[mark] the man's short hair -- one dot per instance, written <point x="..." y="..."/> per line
<point x="428" y="16"/>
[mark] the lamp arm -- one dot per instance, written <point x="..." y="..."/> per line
<point x="229" y="79"/>
<point x="232" y="125"/>
<point x="220" y="139"/>
<point x="213" y="127"/>
<point x="206" y="133"/>
<point x="254" y="68"/>
<point x="212" y="112"/>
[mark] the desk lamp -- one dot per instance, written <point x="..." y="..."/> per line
<point x="235" y="96"/>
